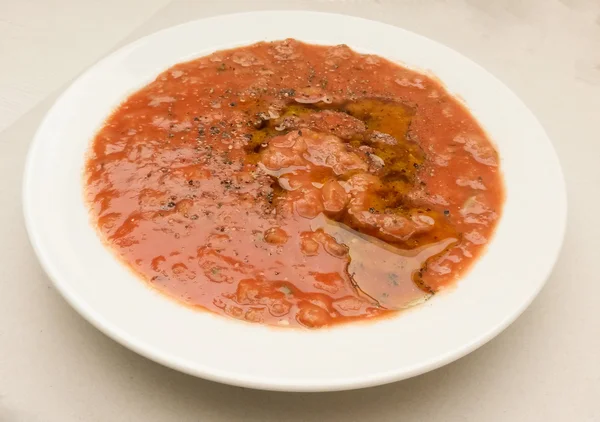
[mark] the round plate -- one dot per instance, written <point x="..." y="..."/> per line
<point x="499" y="287"/>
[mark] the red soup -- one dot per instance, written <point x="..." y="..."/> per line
<point x="293" y="184"/>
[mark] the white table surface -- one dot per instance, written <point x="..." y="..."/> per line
<point x="54" y="366"/>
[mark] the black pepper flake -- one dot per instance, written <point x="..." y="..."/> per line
<point x="289" y="92"/>
<point x="446" y="212"/>
<point x="415" y="165"/>
<point x="191" y="182"/>
<point x="196" y="119"/>
<point x="248" y="136"/>
<point x="232" y="104"/>
<point x="171" y="204"/>
<point x="214" y="130"/>
<point x="201" y="131"/>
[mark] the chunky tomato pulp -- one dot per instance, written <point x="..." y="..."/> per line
<point x="293" y="184"/>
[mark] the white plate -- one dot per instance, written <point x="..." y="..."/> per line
<point x="500" y="286"/>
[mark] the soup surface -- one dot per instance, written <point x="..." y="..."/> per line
<point x="294" y="185"/>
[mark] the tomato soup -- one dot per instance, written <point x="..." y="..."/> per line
<point x="294" y="185"/>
